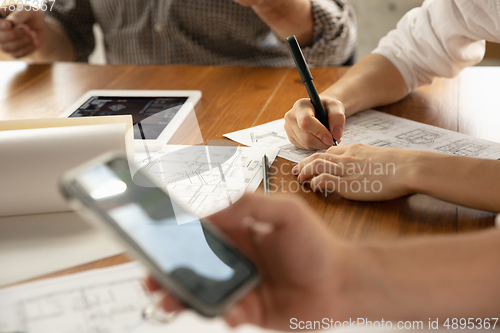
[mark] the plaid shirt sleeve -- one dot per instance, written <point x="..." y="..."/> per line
<point x="76" y="18"/>
<point x="335" y="33"/>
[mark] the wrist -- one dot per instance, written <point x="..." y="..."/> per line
<point x="417" y="170"/>
<point x="57" y="46"/>
<point x="360" y="288"/>
<point x="338" y="95"/>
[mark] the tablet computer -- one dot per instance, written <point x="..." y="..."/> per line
<point x="156" y="114"/>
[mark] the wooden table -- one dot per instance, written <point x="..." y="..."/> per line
<point x="235" y="98"/>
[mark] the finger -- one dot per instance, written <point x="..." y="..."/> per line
<point x="277" y="210"/>
<point x="35" y="39"/>
<point x="17" y="44"/>
<point x="235" y="316"/>
<point x="151" y="284"/>
<point x="318" y="167"/>
<point x="10" y="35"/>
<point x="21" y="16"/>
<point x="247" y="311"/>
<point x="309" y="141"/>
<point x="6" y="24"/>
<point x="336" y="117"/>
<point x="309" y="124"/>
<point x="291" y="134"/>
<point x="294" y="142"/>
<point x="4" y="11"/>
<point x="170" y="304"/>
<point x="24" y="51"/>
<point x="326" y="182"/>
<point x="337" y="150"/>
<point x="322" y="156"/>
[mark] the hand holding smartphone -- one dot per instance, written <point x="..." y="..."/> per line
<point x="186" y="256"/>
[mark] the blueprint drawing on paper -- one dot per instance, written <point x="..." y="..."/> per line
<point x="206" y="179"/>
<point x="376" y="129"/>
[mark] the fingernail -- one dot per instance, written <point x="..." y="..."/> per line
<point x="295" y="170"/>
<point x="328" y="140"/>
<point x="337" y="133"/>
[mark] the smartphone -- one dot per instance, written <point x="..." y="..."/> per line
<point x="187" y="256"/>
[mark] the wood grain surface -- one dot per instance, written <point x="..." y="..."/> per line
<point x="235" y="98"/>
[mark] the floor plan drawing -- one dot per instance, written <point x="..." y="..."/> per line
<point x="270" y="135"/>
<point x="463" y="148"/>
<point x="377" y="129"/>
<point x="384" y="143"/>
<point x="110" y="303"/>
<point x="206" y="178"/>
<point x="292" y="153"/>
<point x="275" y="135"/>
<point x="378" y="124"/>
<point x="419" y="137"/>
<point x="106" y="300"/>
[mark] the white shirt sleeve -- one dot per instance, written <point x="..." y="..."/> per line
<point x="441" y="38"/>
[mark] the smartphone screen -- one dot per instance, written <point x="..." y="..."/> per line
<point x="175" y="241"/>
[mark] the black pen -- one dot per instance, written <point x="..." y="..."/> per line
<point x="265" y="171"/>
<point x="307" y="79"/>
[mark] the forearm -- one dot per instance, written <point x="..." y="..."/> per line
<point x="57" y="47"/>
<point x="470" y="182"/>
<point x="374" y="81"/>
<point x="431" y="277"/>
<point x="285" y="18"/>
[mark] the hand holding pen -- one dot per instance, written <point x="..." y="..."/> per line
<point x="314" y="123"/>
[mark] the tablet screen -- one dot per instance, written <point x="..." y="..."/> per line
<point x="150" y="114"/>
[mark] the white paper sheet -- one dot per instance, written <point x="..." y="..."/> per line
<point x="58" y="241"/>
<point x="34" y="245"/>
<point x="107" y="300"/>
<point x="207" y="179"/>
<point x="376" y="129"/>
<point x="32" y="161"/>
<point x="33" y="155"/>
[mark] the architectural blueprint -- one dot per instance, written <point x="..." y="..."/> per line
<point x="376" y="129"/>
<point x="206" y="178"/>
<point x="109" y="300"/>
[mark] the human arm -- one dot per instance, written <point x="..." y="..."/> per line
<point x="309" y="274"/>
<point x="63" y="33"/>
<point x="285" y="17"/>
<point x="361" y="172"/>
<point x="292" y="250"/>
<point x="372" y="81"/>
<point x="25" y="33"/>
<point x="325" y="29"/>
<point x="438" y="39"/>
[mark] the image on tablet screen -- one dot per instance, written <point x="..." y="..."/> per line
<point x="150" y="114"/>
